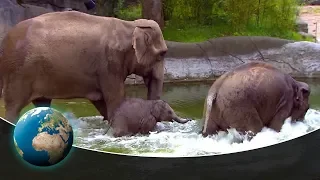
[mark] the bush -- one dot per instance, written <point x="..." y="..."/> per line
<point x="238" y="15"/>
<point x="199" y="20"/>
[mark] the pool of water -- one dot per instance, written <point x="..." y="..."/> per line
<point x="187" y="100"/>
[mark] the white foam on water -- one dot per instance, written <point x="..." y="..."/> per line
<point x="176" y="139"/>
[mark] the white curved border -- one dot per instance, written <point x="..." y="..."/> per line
<point x="122" y="154"/>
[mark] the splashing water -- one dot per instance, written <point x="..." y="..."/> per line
<point x="176" y="140"/>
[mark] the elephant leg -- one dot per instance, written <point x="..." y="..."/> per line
<point x="210" y="129"/>
<point x="254" y="122"/>
<point x="117" y="132"/>
<point x="146" y="124"/>
<point x="42" y="102"/>
<point x="244" y="119"/>
<point x="16" y="97"/>
<point x="210" y="125"/>
<point x="253" y="127"/>
<point x="278" y="120"/>
<point x="100" y="105"/>
<point x="112" y="86"/>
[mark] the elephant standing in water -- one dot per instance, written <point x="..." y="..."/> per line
<point x="136" y="115"/>
<point x="63" y="55"/>
<point x="252" y="96"/>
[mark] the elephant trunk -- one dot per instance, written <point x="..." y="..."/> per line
<point x="180" y="120"/>
<point x="155" y="82"/>
<point x="155" y="89"/>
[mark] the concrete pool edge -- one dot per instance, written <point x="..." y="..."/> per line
<point x="185" y="62"/>
<point x="207" y="81"/>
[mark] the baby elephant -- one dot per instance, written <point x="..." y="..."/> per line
<point x="137" y="115"/>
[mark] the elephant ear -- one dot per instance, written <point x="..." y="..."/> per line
<point x="302" y="92"/>
<point x="157" y="108"/>
<point x="142" y="39"/>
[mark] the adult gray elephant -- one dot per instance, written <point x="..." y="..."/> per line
<point x="63" y="55"/>
<point x="135" y="115"/>
<point x="252" y="96"/>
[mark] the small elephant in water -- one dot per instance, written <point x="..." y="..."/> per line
<point x="135" y="115"/>
<point x="252" y="96"/>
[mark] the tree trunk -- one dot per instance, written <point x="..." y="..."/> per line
<point x="152" y="9"/>
<point x="106" y="7"/>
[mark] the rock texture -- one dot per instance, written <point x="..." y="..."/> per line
<point x="210" y="59"/>
<point x="11" y="13"/>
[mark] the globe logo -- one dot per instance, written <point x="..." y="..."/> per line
<point x="43" y="136"/>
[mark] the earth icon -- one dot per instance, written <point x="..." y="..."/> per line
<point x="43" y="136"/>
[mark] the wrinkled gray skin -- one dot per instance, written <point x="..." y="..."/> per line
<point x="64" y="55"/>
<point x="252" y="96"/>
<point x="137" y="115"/>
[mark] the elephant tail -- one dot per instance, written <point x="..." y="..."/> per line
<point x="210" y="100"/>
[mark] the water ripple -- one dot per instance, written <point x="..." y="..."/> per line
<point x="174" y="139"/>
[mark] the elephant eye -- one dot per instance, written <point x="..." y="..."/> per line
<point x="170" y="112"/>
<point x="305" y="91"/>
<point x="163" y="53"/>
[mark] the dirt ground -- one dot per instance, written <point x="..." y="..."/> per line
<point x="311" y="15"/>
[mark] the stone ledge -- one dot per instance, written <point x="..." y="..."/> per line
<point x="210" y="59"/>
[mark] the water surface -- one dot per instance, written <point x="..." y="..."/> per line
<point x="187" y="100"/>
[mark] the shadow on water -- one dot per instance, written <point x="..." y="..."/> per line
<point x="187" y="99"/>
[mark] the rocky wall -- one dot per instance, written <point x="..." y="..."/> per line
<point x="11" y="13"/>
<point x="210" y="59"/>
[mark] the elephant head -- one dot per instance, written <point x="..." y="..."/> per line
<point x="149" y="50"/>
<point x="162" y="111"/>
<point x="301" y="101"/>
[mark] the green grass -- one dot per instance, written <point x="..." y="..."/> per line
<point x="189" y="32"/>
<point x="193" y="33"/>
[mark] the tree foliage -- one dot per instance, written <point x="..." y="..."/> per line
<point x="239" y="14"/>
